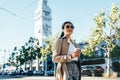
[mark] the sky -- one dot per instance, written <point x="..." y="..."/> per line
<point x="17" y="19"/>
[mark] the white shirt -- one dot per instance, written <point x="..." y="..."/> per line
<point x="71" y="50"/>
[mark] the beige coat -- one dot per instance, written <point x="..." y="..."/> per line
<point x="62" y="73"/>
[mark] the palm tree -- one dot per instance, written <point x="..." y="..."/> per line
<point x="38" y="52"/>
<point x="31" y="51"/>
<point x="12" y="58"/>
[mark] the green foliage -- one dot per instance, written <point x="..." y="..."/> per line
<point x="26" y="53"/>
<point x="118" y="32"/>
<point x="116" y="52"/>
<point x="31" y="50"/>
<point x="100" y="20"/>
<point x="51" y="40"/>
<point x="12" y="59"/>
<point x="99" y="32"/>
<point x="114" y="16"/>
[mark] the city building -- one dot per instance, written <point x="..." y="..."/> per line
<point x="43" y="30"/>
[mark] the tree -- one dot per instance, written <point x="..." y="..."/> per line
<point x="12" y="58"/>
<point x="20" y="58"/>
<point x="49" y="48"/>
<point x="99" y="33"/>
<point x="38" y="52"/>
<point x="31" y="52"/>
<point x="47" y="51"/>
<point x="24" y="52"/>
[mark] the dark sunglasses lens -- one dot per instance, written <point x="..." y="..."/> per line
<point x="72" y="27"/>
<point x="69" y="27"/>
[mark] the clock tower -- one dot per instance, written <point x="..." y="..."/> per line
<point x="42" y="22"/>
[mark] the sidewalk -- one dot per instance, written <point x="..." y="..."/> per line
<point x="49" y="78"/>
<point x="99" y="78"/>
<point x="83" y="78"/>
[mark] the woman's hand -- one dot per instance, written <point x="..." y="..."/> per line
<point x="76" y="53"/>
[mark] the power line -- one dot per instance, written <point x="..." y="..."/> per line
<point x="29" y="5"/>
<point x="24" y="9"/>
<point x="12" y="13"/>
<point x="8" y="11"/>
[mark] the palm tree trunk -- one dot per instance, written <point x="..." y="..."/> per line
<point x="25" y="65"/>
<point x="38" y="64"/>
<point x="31" y="65"/>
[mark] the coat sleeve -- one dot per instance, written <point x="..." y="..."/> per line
<point x="57" y="55"/>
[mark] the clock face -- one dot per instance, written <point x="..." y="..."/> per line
<point x="46" y="29"/>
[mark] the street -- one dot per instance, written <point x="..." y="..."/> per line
<point x="48" y="78"/>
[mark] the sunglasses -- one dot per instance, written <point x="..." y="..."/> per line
<point x="67" y="27"/>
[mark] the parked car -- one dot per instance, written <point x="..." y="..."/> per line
<point x="39" y="72"/>
<point x="0" y="72"/>
<point x="87" y="71"/>
<point x="18" y="72"/>
<point x="30" y="72"/>
<point x="12" y="72"/>
<point x="98" y="71"/>
<point x="50" y="73"/>
<point x="27" y="72"/>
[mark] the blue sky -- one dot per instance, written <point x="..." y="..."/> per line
<point x="17" y="19"/>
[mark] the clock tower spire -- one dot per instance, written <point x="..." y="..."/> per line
<point x="42" y="19"/>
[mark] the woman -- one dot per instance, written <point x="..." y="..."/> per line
<point x="67" y="55"/>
